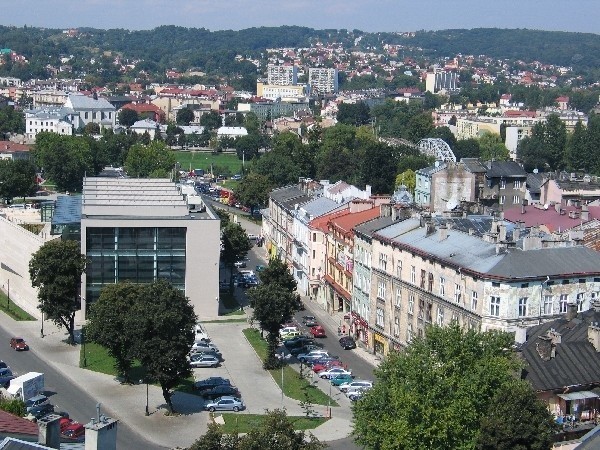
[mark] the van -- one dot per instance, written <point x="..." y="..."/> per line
<point x="19" y="206"/>
<point x="286" y="330"/>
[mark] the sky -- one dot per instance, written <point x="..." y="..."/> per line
<point x="365" y="15"/>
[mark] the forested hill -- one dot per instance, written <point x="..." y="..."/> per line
<point x="580" y="50"/>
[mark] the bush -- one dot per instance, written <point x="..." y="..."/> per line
<point x="14" y="406"/>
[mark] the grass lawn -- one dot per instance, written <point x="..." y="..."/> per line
<point x="244" y="423"/>
<point x="197" y="160"/>
<point x="293" y="386"/>
<point x="12" y="310"/>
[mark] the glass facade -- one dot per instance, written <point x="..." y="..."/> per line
<point x="138" y="255"/>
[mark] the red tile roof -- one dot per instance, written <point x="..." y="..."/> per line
<point x="347" y="222"/>
<point x="320" y="223"/>
<point x="11" y="147"/>
<point x="15" y="425"/>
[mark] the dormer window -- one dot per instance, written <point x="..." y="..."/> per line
<point x="502" y="183"/>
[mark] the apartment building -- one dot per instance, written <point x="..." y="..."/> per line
<point x="54" y="120"/>
<point x="282" y="75"/>
<point x="322" y="80"/>
<point x="274" y="92"/>
<point x="423" y="275"/>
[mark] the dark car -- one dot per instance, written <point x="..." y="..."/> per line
<point x="305" y="349"/>
<point x="5" y="376"/>
<point x="309" y="321"/>
<point x="322" y="360"/>
<point x="3" y="365"/>
<point x="347" y="342"/>
<point x="19" y="344"/>
<point x="210" y="383"/>
<point x="219" y="391"/>
<point x="298" y="341"/>
<point x="39" y="411"/>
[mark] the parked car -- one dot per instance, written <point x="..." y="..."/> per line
<point x="225" y="404"/>
<point x="324" y="359"/>
<point x="211" y="382"/>
<point x="200" y="333"/>
<point x="251" y="281"/>
<point x="334" y="371"/>
<point x="338" y="380"/>
<point x="356" y="395"/>
<point x="5" y="376"/>
<point x="19" y="344"/>
<point x="197" y="356"/>
<point x="220" y="391"/>
<point x="327" y="365"/>
<point x="37" y="412"/>
<point x="64" y="422"/>
<point x="260" y="268"/>
<point x="240" y="264"/>
<point x="35" y="401"/>
<point x="356" y="384"/>
<point x="313" y="354"/>
<point x="309" y="321"/>
<point x="287" y="329"/>
<point x="201" y="346"/>
<point x="252" y="237"/>
<point x="205" y="361"/>
<point x="3" y="365"/>
<point x="318" y="331"/>
<point x="305" y="349"/>
<point x="298" y="341"/>
<point x="347" y="342"/>
<point x="290" y="335"/>
<point x="73" y="431"/>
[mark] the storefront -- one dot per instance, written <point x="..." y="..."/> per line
<point x="584" y="405"/>
<point x="359" y="328"/>
<point x="380" y="344"/>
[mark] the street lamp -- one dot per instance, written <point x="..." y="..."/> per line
<point x="42" y="330"/>
<point x="147" y="412"/>
<point x="83" y="345"/>
<point x="282" y="359"/>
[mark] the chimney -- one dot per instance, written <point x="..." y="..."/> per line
<point x="429" y="229"/>
<point x="394" y="213"/>
<point x="594" y="336"/>
<point x="557" y="207"/>
<point x="555" y="336"/>
<point x="521" y="334"/>
<point x="523" y="207"/>
<point x="516" y="234"/>
<point x="49" y="431"/>
<point x="571" y="311"/>
<point x="101" y="433"/>
<point x="385" y="210"/>
<point x="585" y="213"/>
<point x="443" y="233"/>
<point x="545" y="348"/>
<point x="501" y="232"/>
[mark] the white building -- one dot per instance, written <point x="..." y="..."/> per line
<point x="232" y="132"/>
<point x="441" y="81"/>
<point x="323" y="80"/>
<point x="145" y="126"/>
<point x="53" y="120"/>
<point x="89" y="109"/>
<point x="274" y="92"/>
<point x="285" y="75"/>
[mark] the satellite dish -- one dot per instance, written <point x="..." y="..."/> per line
<point x="535" y="171"/>
<point x="451" y="204"/>
<point x="546" y="206"/>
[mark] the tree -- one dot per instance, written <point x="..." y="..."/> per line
<point x="575" y="155"/>
<point x="163" y="326"/>
<point x="128" y="117"/>
<point x="276" y="432"/>
<point x="516" y="420"/>
<point x="253" y="190"/>
<point x="185" y="116"/>
<point x="109" y="321"/>
<point x="64" y="159"/>
<point x="356" y="114"/>
<point x="211" y="120"/>
<point x="235" y="245"/>
<point x="154" y="160"/>
<point x="56" y="269"/>
<point x="465" y="368"/>
<point x="467" y="148"/>
<point x="273" y="305"/>
<point x="17" y="178"/>
<point x="277" y="272"/>
<point x="91" y="128"/>
<point x="407" y="178"/>
<point x="492" y="148"/>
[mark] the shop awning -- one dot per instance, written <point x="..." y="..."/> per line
<point x="578" y="395"/>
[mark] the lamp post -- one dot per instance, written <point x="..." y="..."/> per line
<point x="329" y="402"/>
<point x="42" y="329"/>
<point x="147" y="412"/>
<point x="8" y="297"/>
<point x="282" y="358"/>
<point x="83" y="345"/>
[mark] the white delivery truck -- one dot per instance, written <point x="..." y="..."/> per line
<point x="27" y="385"/>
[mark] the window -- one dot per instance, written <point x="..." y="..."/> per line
<point x="423" y="277"/>
<point x="314" y="237"/>
<point x="517" y="184"/>
<point x="396" y="326"/>
<point x="381" y="289"/>
<point x="382" y="261"/>
<point x="547" y="305"/>
<point x="86" y="115"/>
<point x="430" y="282"/>
<point x="457" y="293"/>
<point x="398" y="300"/>
<point x="502" y="199"/>
<point x="411" y="303"/>
<point x="516" y="199"/>
<point x="413" y="275"/>
<point x="409" y="332"/>
<point x="379" y="317"/>
<point x="474" y="301"/>
<point x="562" y="304"/>
<point x="580" y="300"/>
<point x="495" y="306"/>
<point x="314" y="254"/>
<point x="421" y="308"/>
<point x="429" y="312"/>
<point x="523" y="307"/>
<point x="440" y="316"/>
<point x="502" y="184"/>
<point x="399" y="269"/>
<point x="495" y="284"/>
<point x="442" y="286"/>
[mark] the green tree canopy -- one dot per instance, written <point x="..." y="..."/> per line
<point x="253" y="190"/>
<point x="184" y="116"/>
<point x="354" y="113"/>
<point x="56" y="269"/>
<point x="154" y="160"/>
<point x="434" y="394"/>
<point x="127" y="117"/>
<point x="492" y="148"/>
<point x="211" y="120"/>
<point x="17" y="178"/>
<point x="407" y="178"/>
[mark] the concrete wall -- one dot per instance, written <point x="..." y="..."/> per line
<point x="450" y="186"/>
<point x="17" y="245"/>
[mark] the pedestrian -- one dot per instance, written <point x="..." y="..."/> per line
<point x="343" y="329"/>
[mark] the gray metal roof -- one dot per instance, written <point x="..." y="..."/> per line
<point x="534" y="182"/>
<point x="316" y="208"/>
<point x="432" y="169"/>
<point x="368" y="229"/>
<point x="83" y="102"/>
<point x="289" y="197"/>
<point x="67" y="210"/>
<point x="473" y="165"/>
<point x="548" y="262"/>
<point x="499" y="169"/>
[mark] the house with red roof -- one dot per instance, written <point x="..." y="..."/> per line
<point x="13" y="151"/>
<point x="147" y="111"/>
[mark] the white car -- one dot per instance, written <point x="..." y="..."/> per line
<point x="200" y="334"/>
<point x="313" y="354"/>
<point x="202" y="346"/>
<point x="333" y="372"/>
<point x="356" y="385"/>
<point x="205" y="361"/>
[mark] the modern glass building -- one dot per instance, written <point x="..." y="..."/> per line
<point x="139" y="230"/>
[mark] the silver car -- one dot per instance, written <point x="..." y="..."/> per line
<point x="225" y="403"/>
<point x="205" y="361"/>
<point x="356" y="385"/>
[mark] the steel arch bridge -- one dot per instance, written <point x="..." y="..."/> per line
<point x="438" y="148"/>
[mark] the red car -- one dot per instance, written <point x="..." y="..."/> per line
<point x="73" y="431"/>
<point x="318" y="331"/>
<point x="329" y="365"/>
<point x="64" y="423"/>
<point x="19" y="344"/>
